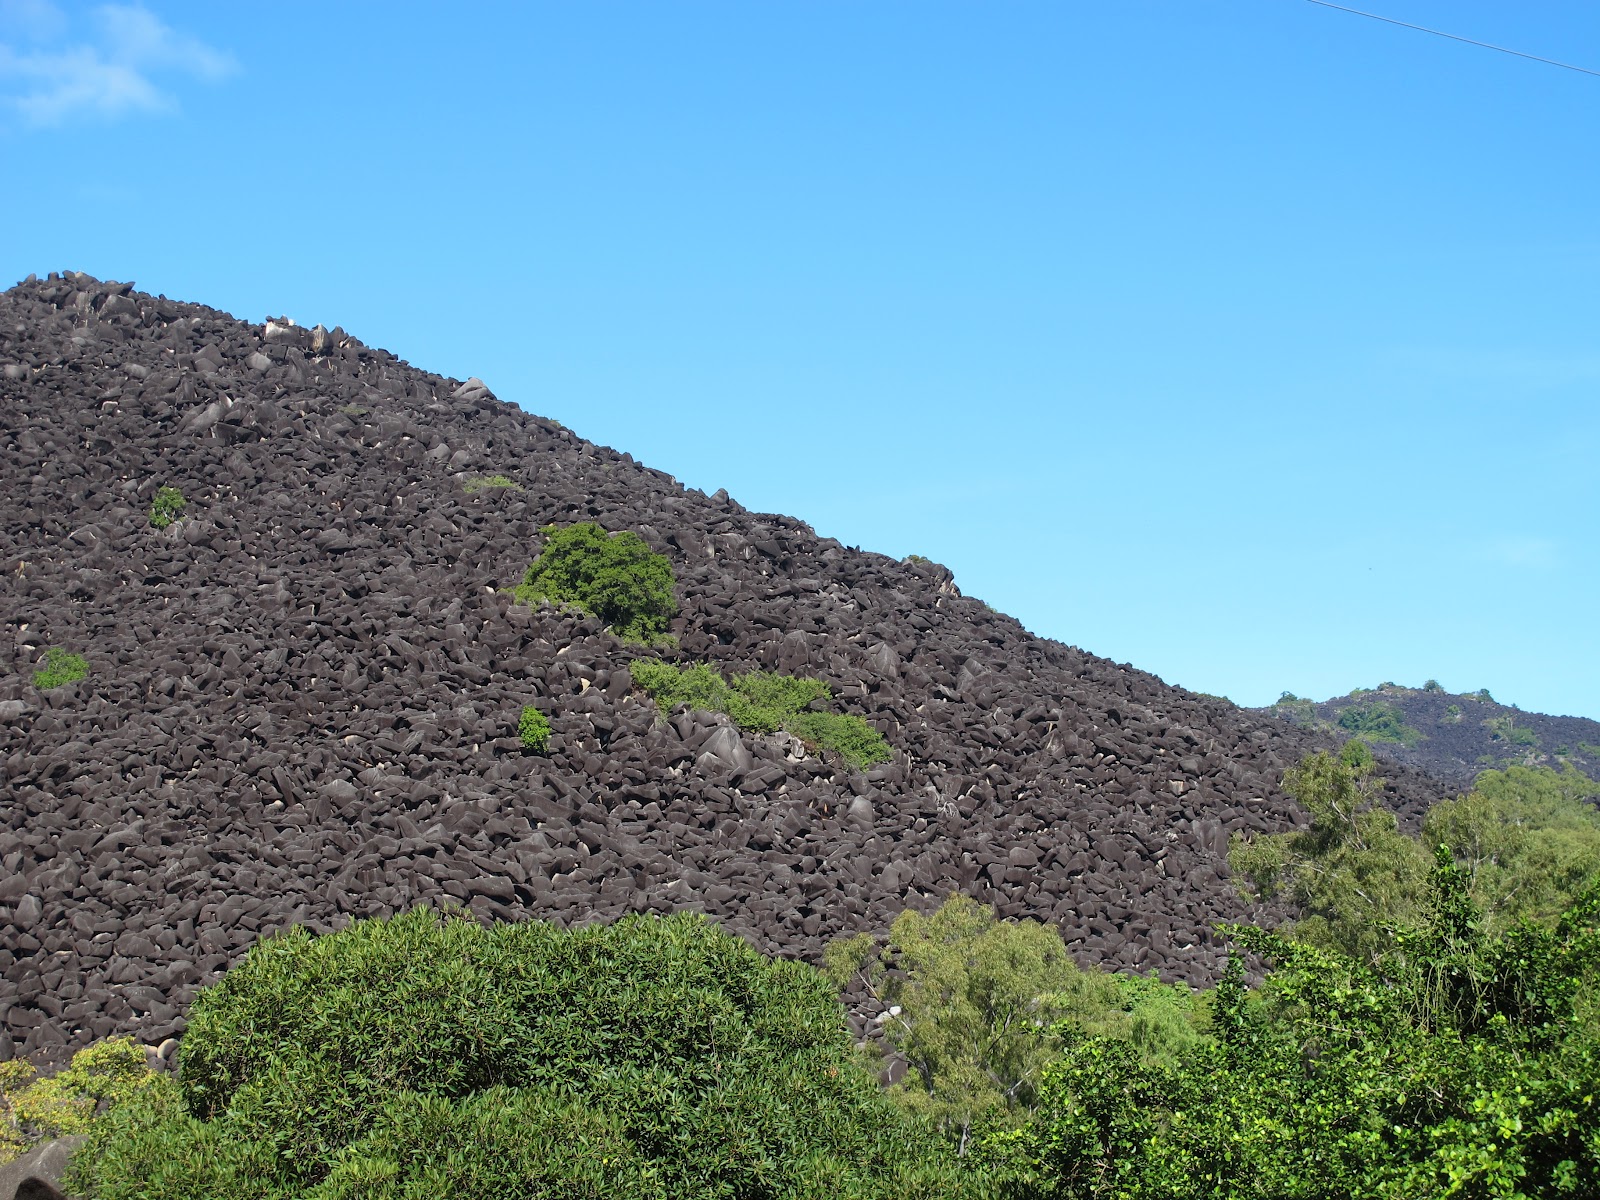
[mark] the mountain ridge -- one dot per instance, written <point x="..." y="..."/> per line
<point x="302" y="695"/>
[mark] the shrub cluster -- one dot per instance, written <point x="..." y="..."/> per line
<point x="32" y="1110"/>
<point x="1377" y="722"/>
<point x="60" y="668"/>
<point x="765" y="702"/>
<point x="167" y="507"/>
<point x="653" y="1059"/>
<point x="615" y="576"/>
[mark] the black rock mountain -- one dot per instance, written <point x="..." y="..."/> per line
<point x="302" y="697"/>
<point x="1451" y="737"/>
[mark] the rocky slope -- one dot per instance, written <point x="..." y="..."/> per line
<point x="302" y="696"/>
<point x="1451" y="737"/>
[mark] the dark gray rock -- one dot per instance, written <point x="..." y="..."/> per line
<point x="37" y="1174"/>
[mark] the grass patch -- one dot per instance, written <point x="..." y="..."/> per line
<point x="484" y="483"/>
<point x="60" y="668"/>
<point x="765" y="702"/>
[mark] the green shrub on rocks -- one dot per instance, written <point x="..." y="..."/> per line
<point x="422" y="1056"/>
<point x="533" y="727"/>
<point x="615" y="576"/>
<point x="482" y="483"/>
<point x="167" y="507"/>
<point x="99" y="1076"/>
<point x="60" y="668"/>
<point x="764" y="702"/>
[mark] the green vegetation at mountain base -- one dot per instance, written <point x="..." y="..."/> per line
<point x="1526" y="839"/>
<point x="1454" y="1065"/>
<point x="614" y="576"/>
<point x="1351" y="870"/>
<point x="656" y="1058"/>
<point x="167" y="507"/>
<point x="60" y="668"/>
<point x="533" y="727"/>
<point x="764" y="702"/>
<point x="973" y="1003"/>
<point x="99" y="1076"/>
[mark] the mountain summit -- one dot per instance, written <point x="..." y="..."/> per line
<point x="288" y="687"/>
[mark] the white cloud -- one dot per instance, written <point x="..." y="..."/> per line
<point x="111" y="74"/>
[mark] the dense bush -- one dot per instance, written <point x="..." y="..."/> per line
<point x="533" y="727"/>
<point x="1453" y="1066"/>
<point x="972" y="1004"/>
<point x="764" y="702"/>
<point x="1377" y="722"/>
<point x="1526" y="838"/>
<point x="425" y="1057"/>
<point x="32" y="1109"/>
<point x="167" y="507"/>
<point x="60" y="668"/>
<point x="615" y="576"/>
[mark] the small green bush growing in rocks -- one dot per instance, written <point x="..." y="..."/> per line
<point x="34" y="1110"/>
<point x="615" y="576"/>
<point x="60" y="668"/>
<point x="534" y="729"/>
<point x="764" y="702"/>
<point x="167" y="507"/>
<point x="481" y="483"/>
<point x="420" y="1056"/>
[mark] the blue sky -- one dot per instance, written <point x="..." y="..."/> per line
<point x="1251" y="342"/>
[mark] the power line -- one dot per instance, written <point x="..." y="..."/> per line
<point x="1454" y="37"/>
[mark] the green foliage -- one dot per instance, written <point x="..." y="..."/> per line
<point x="764" y="702"/>
<point x="971" y="1002"/>
<point x="100" y="1076"/>
<point x="1352" y="870"/>
<point x="167" y="507"/>
<point x="614" y="576"/>
<point x="60" y="668"/>
<point x="918" y="560"/>
<point x="1293" y="708"/>
<point x="1432" y="685"/>
<point x="1377" y="721"/>
<point x="1526" y="838"/>
<point x="480" y="483"/>
<point x="533" y="727"/>
<point x="1483" y="695"/>
<point x="1505" y="729"/>
<point x="1455" y="1066"/>
<point x="353" y="410"/>
<point x="1452" y="712"/>
<point x="653" y="1059"/>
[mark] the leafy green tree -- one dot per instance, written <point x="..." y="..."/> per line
<point x="652" y="1059"/>
<point x="1452" y="1066"/>
<point x="615" y="576"/>
<point x="1352" y="871"/>
<point x="1528" y="839"/>
<point x="971" y="1004"/>
<point x="533" y="727"/>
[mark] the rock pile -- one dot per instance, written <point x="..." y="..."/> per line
<point x="302" y="697"/>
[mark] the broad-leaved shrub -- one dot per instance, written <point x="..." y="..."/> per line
<point x="420" y="1056"/>
<point x="615" y="576"/>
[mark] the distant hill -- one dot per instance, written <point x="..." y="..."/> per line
<point x="1452" y="737"/>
